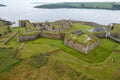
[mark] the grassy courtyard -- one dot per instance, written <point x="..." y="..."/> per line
<point x="34" y="49"/>
<point x="99" y="54"/>
<point x="78" y="26"/>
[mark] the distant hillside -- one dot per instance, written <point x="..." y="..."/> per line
<point x="88" y="5"/>
<point x="5" y="22"/>
<point x="1" y="5"/>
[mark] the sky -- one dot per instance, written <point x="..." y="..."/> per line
<point x="19" y="1"/>
<point x="26" y="2"/>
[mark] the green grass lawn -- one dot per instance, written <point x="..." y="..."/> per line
<point x="83" y="39"/>
<point x="13" y="43"/>
<point x="96" y="64"/>
<point x="98" y="55"/>
<point x="53" y="70"/>
<point x="78" y="61"/>
<point x="33" y="49"/>
<point x="6" y="37"/>
<point x="65" y="64"/>
<point x="57" y="25"/>
<point x="21" y="29"/>
<point x="4" y="30"/>
<point x="78" y="26"/>
<point x="116" y="28"/>
<point x="101" y="71"/>
<point x="7" y="58"/>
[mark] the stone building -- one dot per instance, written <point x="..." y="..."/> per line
<point x="46" y="26"/>
<point x="22" y="23"/>
<point x="98" y="29"/>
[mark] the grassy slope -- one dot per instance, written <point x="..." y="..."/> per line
<point x="54" y="70"/>
<point x="116" y="28"/>
<point x="3" y="30"/>
<point x="6" y="37"/>
<point x="102" y="71"/>
<point x="70" y="57"/>
<point x="116" y="75"/>
<point x="34" y="49"/>
<point x="7" y="58"/>
<point x="24" y="71"/>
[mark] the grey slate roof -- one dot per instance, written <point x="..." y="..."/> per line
<point x="98" y="29"/>
<point x="78" y="32"/>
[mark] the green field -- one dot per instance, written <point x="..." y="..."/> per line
<point x="34" y="49"/>
<point x="84" y="64"/>
<point x="4" y="30"/>
<point x="7" y="58"/>
<point x="100" y="71"/>
<point x="53" y="70"/>
<point x="116" y="28"/>
<point x="78" y="26"/>
<point x="63" y="63"/>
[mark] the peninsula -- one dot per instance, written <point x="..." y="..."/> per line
<point x="1" y="5"/>
<point x="82" y="5"/>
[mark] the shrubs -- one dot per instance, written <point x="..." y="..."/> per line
<point x="38" y="60"/>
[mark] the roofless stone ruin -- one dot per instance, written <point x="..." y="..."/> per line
<point x="77" y="39"/>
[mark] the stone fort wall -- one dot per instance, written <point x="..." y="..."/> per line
<point x="52" y="35"/>
<point x="103" y="35"/>
<point x="23" y="38"/>
<point x="80" y="47"/>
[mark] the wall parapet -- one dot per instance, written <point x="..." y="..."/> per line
<point x="23" y="38"/>
<point x="27" y="37"/>
<point x="79" y="47"/>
